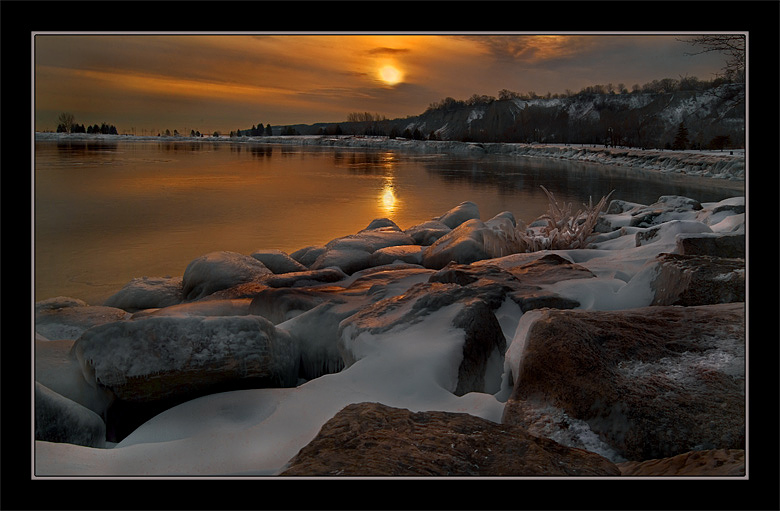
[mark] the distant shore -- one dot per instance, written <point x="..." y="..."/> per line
<point x="726" y="164"/>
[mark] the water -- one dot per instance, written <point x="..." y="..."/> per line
<point x="108" y="212"/>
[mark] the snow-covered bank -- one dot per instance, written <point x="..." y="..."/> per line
<point x="713" y="164"/>
<point x="417" y="333"/>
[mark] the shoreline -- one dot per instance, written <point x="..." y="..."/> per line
<point x="728" y="165"/>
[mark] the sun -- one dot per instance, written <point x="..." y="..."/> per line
<point x="391" y="75"/>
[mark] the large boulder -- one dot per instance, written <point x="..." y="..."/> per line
<point x="730" y="245"/>
<point x="220" y="270"/>
<point x="461" y="213"/>
<point x="278" y="261"/>
<point x="64" y="318"/>
<point x="58" y="419"/>
<point x="463" y="245"/>
<point x="307" y="255"/>
<point x="698" y="280"/>
<point x="372" y="439"/>
<point x="652" y="382"/>
<point x="58" y="369"/>
<point x="353" y="253"/>
<point x="411" y="254"/>
<point x="480" y="352"/>
<point x="428" y="232"/>
<point x="147" y="293"/>
<point x="155" y="358"/>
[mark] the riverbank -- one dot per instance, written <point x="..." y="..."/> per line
<point x="727" y="164"/>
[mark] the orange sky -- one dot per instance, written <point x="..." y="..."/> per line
<point x="205" y="82"/>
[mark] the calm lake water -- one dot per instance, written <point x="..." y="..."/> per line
<point x="108" y="212"/>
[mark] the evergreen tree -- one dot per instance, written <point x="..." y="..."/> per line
<point x="681" y="139"/>
<point x="268" y="130"/>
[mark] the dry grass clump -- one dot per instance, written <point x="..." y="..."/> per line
<point x="562" y="229"/>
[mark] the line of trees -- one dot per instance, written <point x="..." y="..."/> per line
<point x="66" y="123"/>
<point x="665" y="85"/>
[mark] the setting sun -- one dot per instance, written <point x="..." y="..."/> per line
<point x="390" y="75"/>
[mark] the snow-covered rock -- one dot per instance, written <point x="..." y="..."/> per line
<point x="67" y="318"/>
<point x="411" y="254"/>
<point x="147" y="293"/>
<point x="154" y="358"/>
<point x="58" y="419"/>
<point x="650" y="383"/>
<point x="220" y="270"/>
<point x="428" y="232"/>
<point x="277" y="261"/>
<point x="466" y="210"/>
<point x="307" y="255"/>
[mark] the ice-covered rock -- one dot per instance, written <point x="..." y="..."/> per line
<point x="672" y="228"/>
<point x="220" y="270"/>
<point x="651" y="383"/>
<point x="411" y="254"/>
<point x="307" y="255"/>
<point x="236" y="307"/>
<point x="278" y="261"/>
<point x="698" y="280"/>
<point x="466" y="210"/>
<point x="471" y="241"/>
<point x="428" y="232"/>
<point x="58" y="419"/>
<point x="372" y="439"/>
<point x="712" y="244"/>
<point x="155" y="358"/>
<point x="306" y="278"/>
<point x="348" y="260"/>
<point x="147" y="293"/>
<point x="57" y="368"/>
<point x="480" y="351"/>
<point x="280" y="304"/>
<point x="67" y="318"/>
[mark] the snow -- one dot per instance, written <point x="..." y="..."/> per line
<point x="407" y="364"/>
<point x="728" y="165"/>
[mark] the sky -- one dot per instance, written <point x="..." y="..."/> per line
<point x="145" y="83"/>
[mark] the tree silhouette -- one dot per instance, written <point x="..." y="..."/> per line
<point x="681" y="139"/>
<point x="65" y="122"/>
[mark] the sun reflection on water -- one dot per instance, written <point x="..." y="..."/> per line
<point x="387" y="200"/>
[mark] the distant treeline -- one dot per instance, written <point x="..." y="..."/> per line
<point x="665" y="85"/>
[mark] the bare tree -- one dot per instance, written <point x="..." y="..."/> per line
<point x="65" y="122"/>
<point x="732" y="46"/>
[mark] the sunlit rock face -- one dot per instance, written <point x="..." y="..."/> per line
<point x="371" y="439"/>
<point x="651" y="383"/>
<point x="354" y="252"/>
<point x="707" y="463"/>
<point x="220" y="270"/>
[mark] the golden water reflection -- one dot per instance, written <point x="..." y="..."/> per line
<point x="387" y="200"/>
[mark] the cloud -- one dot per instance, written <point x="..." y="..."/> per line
<point x="388" y="51"/>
